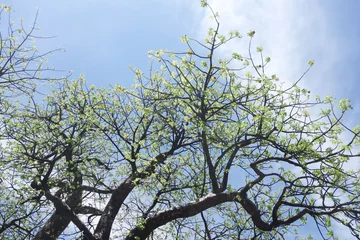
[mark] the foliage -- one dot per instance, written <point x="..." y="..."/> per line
<point x="20" y="61"/>
<point x="205" y="147"/>
<point x="21" y="69"/>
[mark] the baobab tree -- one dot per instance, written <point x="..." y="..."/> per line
<point x="202" y="148"/>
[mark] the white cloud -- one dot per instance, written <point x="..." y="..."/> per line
<point x="291" y="32"/>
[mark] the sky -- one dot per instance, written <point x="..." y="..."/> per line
<point x="103" y="38"/>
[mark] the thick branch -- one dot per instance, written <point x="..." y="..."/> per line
<point x="112" y="208"/>
<point x="119" y="195"/>
<point x="88" y="210"/>
<point x="142" y="231"/>
<point x="67" y="212"/>
<point x="212" y="174"/>
<point x="53" y="227"/>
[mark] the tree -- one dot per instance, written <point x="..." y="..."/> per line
<point x="22" y="67"/>
<point x="203" y="148"/>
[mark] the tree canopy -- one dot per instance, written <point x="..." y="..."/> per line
<point x="203" y="147"/>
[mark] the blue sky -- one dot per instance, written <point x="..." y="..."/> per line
<point x="104" y="37"/>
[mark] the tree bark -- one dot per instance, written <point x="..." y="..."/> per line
<point x="142" y="231"/>
<point x="53" y="227"/>
<point x="103" y="229"/>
